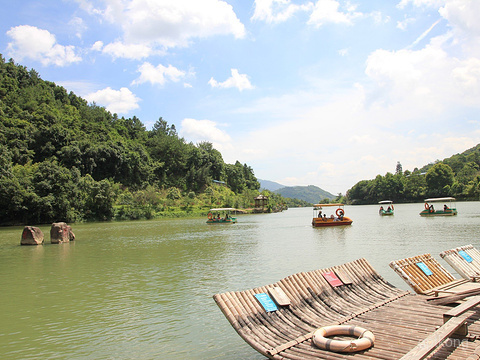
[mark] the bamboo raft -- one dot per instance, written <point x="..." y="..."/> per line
<point x="405" y="325"/>
<point x="437" y="280"/>
<point x="465" y="260"/>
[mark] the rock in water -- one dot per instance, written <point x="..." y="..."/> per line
<point x="61" y="232"/>
<point x="32" y="236"/>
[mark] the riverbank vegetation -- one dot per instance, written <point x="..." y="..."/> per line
<point x="457" y="176"/>
<point x="62" y="159"/>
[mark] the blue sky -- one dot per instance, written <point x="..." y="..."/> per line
<point x="319" y="92"/>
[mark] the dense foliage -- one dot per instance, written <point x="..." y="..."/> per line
<point x="457" y="176"/>
<point x="62" y="159"/>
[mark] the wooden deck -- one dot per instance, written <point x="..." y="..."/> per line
<point x="349" y="294"/>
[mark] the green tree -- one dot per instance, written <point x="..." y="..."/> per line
<point x="398" y="169"/>
<point x="98" y="198"/>
<point x="468" y="172"/>
<point x="415" y="186"/>
<point x="235" y="177"/>
<point x="439" y="179"/>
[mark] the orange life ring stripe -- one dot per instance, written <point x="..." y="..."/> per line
<point x="426" y="206"/>
<point x="364" y="341"/>
<point x="339" y="211"/>
<point x="210" y="216"/>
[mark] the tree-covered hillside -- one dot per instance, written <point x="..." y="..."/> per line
<point x="64" y="159"/>
<point x="458" y="176"/>
<point x="311" y="193"/>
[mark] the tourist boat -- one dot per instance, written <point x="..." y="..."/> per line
<point x="449" y="207"/>
<point x="389" y="210"/>
<point x="221" y="216"/>
<point x="322" y="220"/>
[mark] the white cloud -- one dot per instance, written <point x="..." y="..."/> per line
<point x="118" y="49"/>
<point x="327" y="11"/>
<point x="421" y="3"/>
<point x="463" y="14"/>
<point x="379" y="18"/>
<point x="158" y="75"/>
<point x="116" y="101"/>
<point x="275" y="11"/>
<point x="467" y="76"/>
<point x="205" y="130"/>
<point x="40" y="45"/>
<point x="97" y="46"/>
<point x="163" y="24"/>
<point x="334" y="141"/>
<point x="437" y="76"/>
<point x="80" y="88"/>
<point x="87" y="6"/>
<point x="78" y="25"/>
<point x="402" y="25"/>
<point x="239" y="81"/>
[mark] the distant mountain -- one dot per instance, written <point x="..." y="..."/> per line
<point x="270" y="185"/>
<point x="311" y="193"/>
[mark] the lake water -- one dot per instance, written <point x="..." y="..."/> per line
<point x="143" y="289"/>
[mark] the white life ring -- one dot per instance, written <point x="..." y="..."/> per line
<point x="364" y="341"/>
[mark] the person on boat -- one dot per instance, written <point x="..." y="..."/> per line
<point x="389" y="209"/>
<point x="381" y="208"/>
<point x="340" y="214"/>
<point x="431" y="209"/>
<point x="218" y="216"/>
<point x="445" y="207"/>
<point x="324" y="217"/>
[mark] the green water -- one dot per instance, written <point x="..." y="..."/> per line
<point x="143" y="290"/>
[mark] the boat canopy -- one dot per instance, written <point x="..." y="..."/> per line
<point x="440" y="199"/>
<point x="325" y="205"/>
<point x="386" y="202"/>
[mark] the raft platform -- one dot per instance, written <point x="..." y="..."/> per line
<point x="279" y="320"/>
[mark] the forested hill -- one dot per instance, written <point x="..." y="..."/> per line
<point x="311" y="193"/>
<point x="64" y="159"/>
<point x="457" y="176"/>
